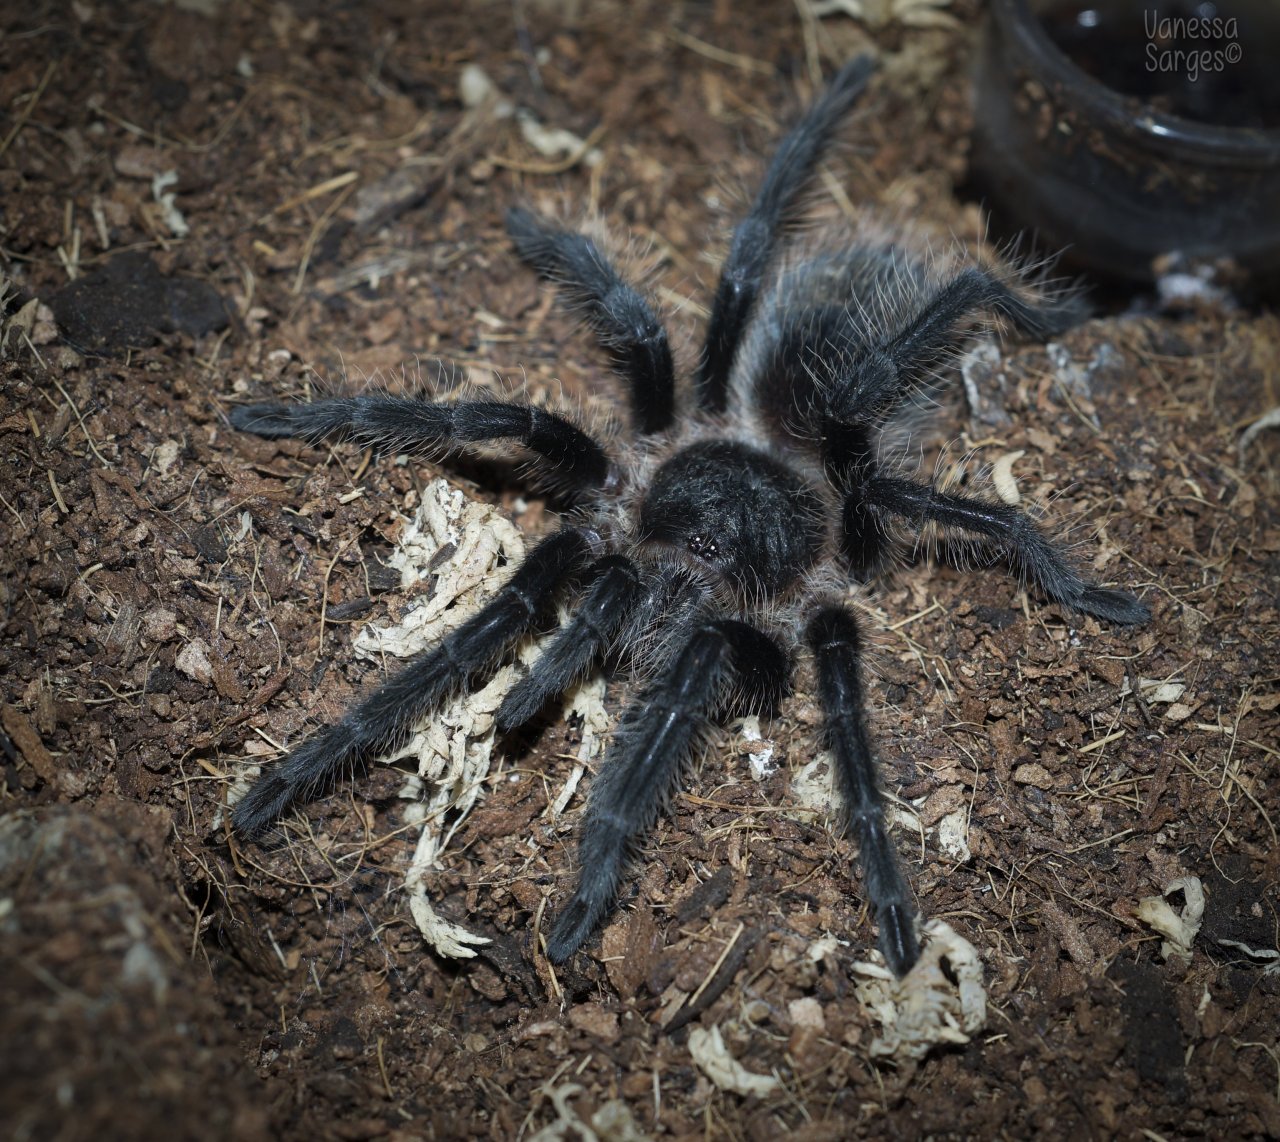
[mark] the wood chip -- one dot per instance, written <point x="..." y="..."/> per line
<point x="25" y="737"/>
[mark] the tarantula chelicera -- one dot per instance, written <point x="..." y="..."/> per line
<point x="704" y="552"/>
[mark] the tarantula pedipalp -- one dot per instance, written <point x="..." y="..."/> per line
<point x="704" y="559"/>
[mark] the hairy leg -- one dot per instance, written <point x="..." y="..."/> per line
<point x="756" y="237"/>
<point x="583" y="639"/>
<point x="619" y="314"/>
<point x="648" y="752"/>
<point x="386" y="714"/>
<point x="879" y="379"/>
<point x="1013" y="535"/>
<point x="402" y="424"/>
<point x="834" y="638"/>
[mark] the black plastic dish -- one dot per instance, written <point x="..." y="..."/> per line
<point x="1109" y="177"/>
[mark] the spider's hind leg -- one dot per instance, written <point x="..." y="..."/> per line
<point x="756" y="237"/>
<point x="880" y="379"/>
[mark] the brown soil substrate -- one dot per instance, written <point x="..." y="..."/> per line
<point x="162" y="578"/>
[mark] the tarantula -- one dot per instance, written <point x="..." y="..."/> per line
<point x="702" y="555"/>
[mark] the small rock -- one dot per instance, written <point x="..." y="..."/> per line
<point x="160" y="624"/>
<point x="595" y="1020"/>
<point x="193" y="661"/>
<point x="1033" y="773"/>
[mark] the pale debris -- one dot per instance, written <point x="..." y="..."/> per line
<point x="169" y="211"/>
<point x="879" y="13"/>
<point x="483" y="538"/>
<point x="20" y="323"/>
<point x="1184" y="282"/>
<point x="708" y="1050"/>
<point x="1158" y="692"/>
<point x="454" y="752"/>
<point x="611" y="1123"/>
<point x="925" y="1009"/>
<point x="586" y="701"/>
<point x="1269" y="419"/>
<point x="814" y="789"/>
<point x="953" y="835"/>
<point x="1270" y="957"/>
<point x="243" y="780"/>
<point x="453" y="747"/>
<point x="556" y="142"/>
<point x="477" y="90"/>
<point x="807" y="1012"/>
<point x="1178" y="928"/>
<point x="1077" y="379"/>
<point x="193" y="661"/>
<point x="1155" y="691"/>
<point x="981" y="376"/>
<point x="165" y="457"/>
<point x="822" y="947"/>
<point x="1003" y="479"/>
<point x="761" y="756"/>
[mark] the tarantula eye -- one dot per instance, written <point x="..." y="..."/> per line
<point x="703" y="546"/>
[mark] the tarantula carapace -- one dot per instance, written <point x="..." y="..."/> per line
<point x="707" y="550"/>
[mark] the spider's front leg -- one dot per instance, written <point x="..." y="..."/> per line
<point x="836" y="644"/>
<point x="657" y="732"/>
<point x="615" y="587"/>
<point x="567" y="454"/>
<point x="386" y="714"/>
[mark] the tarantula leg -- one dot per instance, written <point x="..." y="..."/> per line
<point x="646" y="755"/>
<point x="755" y="237"/>
<point x="865" y="540"/>
<point x="401" y="424"/>
<point x="619" y="314"/>
<point x="882" y="376"/>
<point x="594" y="622"/>
<point x="1014" y="536"/>
<point x="834" y="638"/>
<point x="386" y="714"/>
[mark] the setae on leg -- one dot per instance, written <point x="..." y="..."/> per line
<point x="834" y="638"/>
<point x="883" y="376"/>
<point x="1013" y="535"/>
<point x="582" y="640"/>
<point x="756" y="236"/>
<point x="648" y="751"/>
<point x="618" y="313"/>
<point x="386" y="714"/>
<point x="401" y="424"/>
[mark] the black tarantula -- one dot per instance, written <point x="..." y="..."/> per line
<point x="702" y="553"/>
